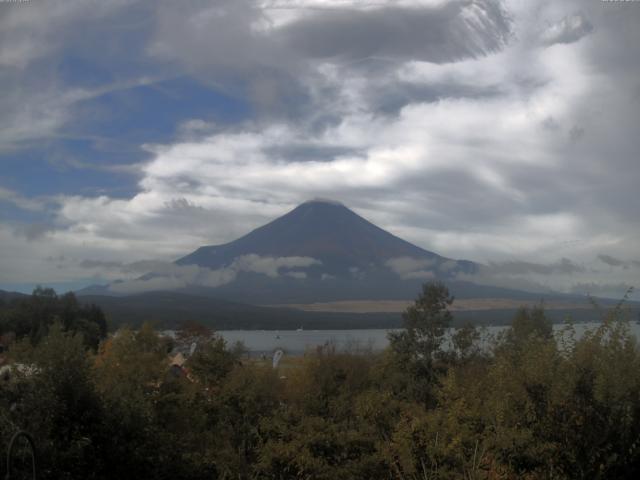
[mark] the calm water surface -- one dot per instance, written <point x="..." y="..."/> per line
<point x="300" y="341"/>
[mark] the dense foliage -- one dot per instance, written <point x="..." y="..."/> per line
<point x="527" y="404"/>
<point x="32" y="317"/>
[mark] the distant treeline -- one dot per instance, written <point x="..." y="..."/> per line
<point x="529" y="406"/>
<point x="31" y="316"/>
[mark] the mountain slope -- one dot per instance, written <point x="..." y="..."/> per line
<point x="339" y="239"/>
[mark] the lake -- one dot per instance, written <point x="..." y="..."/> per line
<point x="296" y="342"/>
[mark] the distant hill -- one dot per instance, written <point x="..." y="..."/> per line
<point x="8" y="296"/>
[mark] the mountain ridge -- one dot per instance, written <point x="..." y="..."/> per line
<point x="326" y="231"/>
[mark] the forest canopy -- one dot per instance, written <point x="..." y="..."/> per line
<point x="528" y="403"/>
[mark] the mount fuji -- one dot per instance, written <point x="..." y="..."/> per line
<point x="320" y="254"/>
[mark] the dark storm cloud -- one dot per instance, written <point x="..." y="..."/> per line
<point x="218" y="35"/>
<point x="229" y="47"/>
<point x="233" y="45"/>
<point x="233" y="36"/>
<point x="439" y="34"/>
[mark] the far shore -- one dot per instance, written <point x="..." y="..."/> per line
<point x="398" y="306"/>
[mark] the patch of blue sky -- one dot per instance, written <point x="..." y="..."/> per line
<point x="78" y="71"/>
<point x="107" y="133"/>
<point x="152" y="113"/>
<point x="46" y="173"/>
<point x="11" y="214"/>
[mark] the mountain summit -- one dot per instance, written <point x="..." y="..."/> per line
<point x="340" y="242"/>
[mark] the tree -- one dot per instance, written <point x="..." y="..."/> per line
<point x="58" y="404"/>
<point x="418" y="346"/>
<point x="33" y="316"/>
<point x="212" y="361"/>
<point x="530" y="322"/>
<point x="465" y="342"/>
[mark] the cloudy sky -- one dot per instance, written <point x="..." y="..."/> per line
<point x="501" y="132"/>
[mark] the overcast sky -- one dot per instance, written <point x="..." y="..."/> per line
<point x="501" y="132"/>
